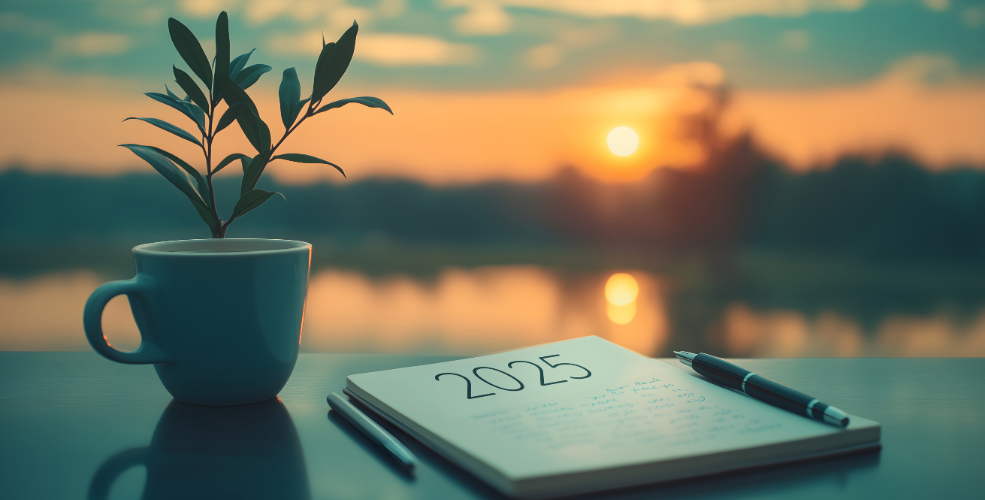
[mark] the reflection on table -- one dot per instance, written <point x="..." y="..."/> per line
<point x="249" y="451"/>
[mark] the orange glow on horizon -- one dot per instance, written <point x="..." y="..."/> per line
<point x="450" y="137"/>
<point x="436" y="137"/>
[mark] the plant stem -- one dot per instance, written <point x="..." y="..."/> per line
<point x="270" y="154"/>
<point x="217" y="231"/>
<point x="274" y="149"/>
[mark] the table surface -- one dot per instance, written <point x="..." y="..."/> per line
<point x="74" y="425"/>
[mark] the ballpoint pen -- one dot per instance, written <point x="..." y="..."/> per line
<point x="765" y="390"/>
<point x="373" y="431"/>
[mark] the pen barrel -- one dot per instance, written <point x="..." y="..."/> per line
<point x="719" y="371"/>
<point x="784" y="397"/>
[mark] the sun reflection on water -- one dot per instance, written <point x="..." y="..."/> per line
<point x="621" y="315"/>
<point x="487" y="309"/>
<point x="621" y="291"/>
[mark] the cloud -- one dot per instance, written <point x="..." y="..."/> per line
<point x="206" y="8"/>
<point x="567" y="37"/>
<point x="973" y="17"/>
<point x="937" y="5"/>
<point x="795" y="40"/>
<point x="413" y="50"/>
<point x="304" y="43"/>
<point x="341" y="18"/>
<point x="385" y="49"/>
<point x="93" y="44"/>
<point x="484" y="17"/>
<point x="543" y="56"/>
<point x="680" y="11"/>
<point x="582" y="37"/>
<point x="921" y="105"/>
<point x="337" y="13"/>
<point x="13" y="22"/>
<point x="922" y="70"/>
<point x="692" y="74"/>
<point x="390" y="9"/>
<point x="729" y="50"/>
<point x="262" y="11"/>
<point x="129" y="12"/>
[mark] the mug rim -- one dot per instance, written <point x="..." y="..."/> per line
<point x="200" y="248"/>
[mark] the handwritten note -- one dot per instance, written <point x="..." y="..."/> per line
<point x="637" y="412"/>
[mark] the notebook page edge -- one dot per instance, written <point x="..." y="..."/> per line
<point x="642" y="474"/>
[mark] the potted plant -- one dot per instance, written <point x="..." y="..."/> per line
<point x="219" y="318"/>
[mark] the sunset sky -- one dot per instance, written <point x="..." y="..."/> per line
<point x="511" y="89"/>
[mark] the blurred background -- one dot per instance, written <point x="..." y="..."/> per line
<point x="809" y="178"/>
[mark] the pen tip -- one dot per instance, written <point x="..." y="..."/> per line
<point x="685" y="357"/>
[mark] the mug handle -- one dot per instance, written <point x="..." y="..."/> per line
<point x="92" y="320"/>
<point x="115" y="465"/>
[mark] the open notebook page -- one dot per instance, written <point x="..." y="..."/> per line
<point x="580" y="405"/>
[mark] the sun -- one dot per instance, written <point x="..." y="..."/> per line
<point x="623" y="141"/>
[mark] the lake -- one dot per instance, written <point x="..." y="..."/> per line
<point x="487" y="308"/>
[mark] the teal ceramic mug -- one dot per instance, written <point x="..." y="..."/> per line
<point x="220" y="319"/>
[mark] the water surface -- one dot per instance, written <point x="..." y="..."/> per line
<point x="491" y="308"/>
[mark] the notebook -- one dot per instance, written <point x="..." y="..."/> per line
<point x="586" y="415"/>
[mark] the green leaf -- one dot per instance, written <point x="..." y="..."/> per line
<point x="179" y="178"/>
<point x="300" y="158"/>
<point x="163" y="125"/>
<point x="202" y="186"/>
<point x="372" y="102"/>
<point x="222" y="45"/>
<point x="251" y="171"/>
<point x="299" y="106"/>
<point x="246" y="78"/>
<point x="264" y="136"/>
<point x="229" y="159"/>
<point x="192" y="112"/>
<point x="190" y="50"/>
<point x="162" y="164"/>
<point x="290" y="94"/>
<point x="254" y="128"/>
<point x="251" y="129"/>
<point x="188" y="85"/>
<point x="197" y="114"/>
<point x="205" y="214"/>
<point x="167" y="99"/>
<point x="251" y="200"/>
<point x="171" y="94"/>
<point x="234" y="94"/>
<point x="228" y="117"/>
<point x="183" y="105"/>
<point x="237" y="64"/>
<point x="332" y="63"/>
